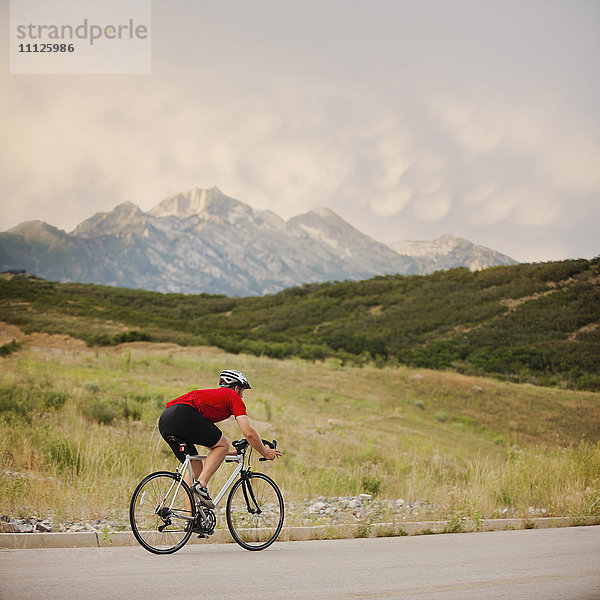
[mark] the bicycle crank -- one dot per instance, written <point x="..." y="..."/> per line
<point x="205" y="522"/>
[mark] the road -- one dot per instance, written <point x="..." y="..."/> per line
<point x="561" y="564"/>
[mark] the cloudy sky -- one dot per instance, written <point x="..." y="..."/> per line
<point x="409" y="119"/>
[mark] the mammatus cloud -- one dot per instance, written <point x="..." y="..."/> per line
<point x="484" y="165"/>
<point x="432" y="207"/>
<point x="519" y="163"/>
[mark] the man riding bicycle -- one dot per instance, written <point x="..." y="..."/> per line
<point x="192" y="417"/>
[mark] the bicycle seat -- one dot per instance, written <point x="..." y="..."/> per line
<point x="240" y="445"/>
<point x="183" y="445"/>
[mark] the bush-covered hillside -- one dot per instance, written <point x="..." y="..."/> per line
<point x="528" y="322"/>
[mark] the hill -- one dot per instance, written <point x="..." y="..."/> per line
<point x="202" y="241"/>
<point x="534" y="323"/>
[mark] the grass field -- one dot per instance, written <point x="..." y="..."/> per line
<point x="78" y="431"/>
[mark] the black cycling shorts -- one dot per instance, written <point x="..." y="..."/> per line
<point x="184" y="421"/>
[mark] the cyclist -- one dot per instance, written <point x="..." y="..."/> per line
<point x="192" y="417"/>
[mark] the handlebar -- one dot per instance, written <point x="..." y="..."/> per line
<point x="241" y="445"/>
<point x="271" y="445"/>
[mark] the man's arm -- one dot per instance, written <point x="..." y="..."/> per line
<point x="254" y="439"/>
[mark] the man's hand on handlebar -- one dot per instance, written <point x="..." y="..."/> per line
<point x="272" y="454"/>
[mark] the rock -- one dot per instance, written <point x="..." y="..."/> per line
<point x="535" y="512"/>
<point x="317" y="507"/>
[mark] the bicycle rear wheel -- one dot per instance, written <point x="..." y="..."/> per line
<point x="255" y="511"/>
<point x="161" y="513"/>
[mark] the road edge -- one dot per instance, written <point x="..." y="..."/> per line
<point x="92" y="539"/>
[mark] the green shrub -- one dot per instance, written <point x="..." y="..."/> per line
<point x="51" y="399"/>
<point x="99" y="410"/>
<point x="371" y="484"/>
<point x="91" y="386"/>
<point x="24" y="400"/>
<point x="133" y="409"/>
<point x="12" y="400"/>
<point x="9" y="348"/>
<point x="65" y="457"/>
<point x="129" y="336"/>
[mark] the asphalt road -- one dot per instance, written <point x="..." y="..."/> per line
<point x="561" y="564"/>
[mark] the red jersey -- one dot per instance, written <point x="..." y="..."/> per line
<point x="216" y="405"/>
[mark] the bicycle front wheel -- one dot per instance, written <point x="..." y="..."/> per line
<point x="255" y="511"/>
<point x="161" y="513"/>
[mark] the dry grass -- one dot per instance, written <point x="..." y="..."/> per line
<point x="78" y="431"/>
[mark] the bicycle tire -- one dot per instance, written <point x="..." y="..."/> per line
<point x="255" y="511"/>
<point x="159" y="491"/>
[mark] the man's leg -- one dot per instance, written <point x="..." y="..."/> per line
<point x="213" y="461"/>
<point x="196" y="469"/>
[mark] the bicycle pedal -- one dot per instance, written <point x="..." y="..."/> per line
<point x="202" y="535"/>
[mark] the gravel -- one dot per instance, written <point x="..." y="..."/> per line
<point x="320" y="510"/>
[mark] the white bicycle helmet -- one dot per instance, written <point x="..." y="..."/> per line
<point x="231" y="378"/>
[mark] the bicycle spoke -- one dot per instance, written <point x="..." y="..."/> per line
<point x="156" y="512"/>
<point x="255" y="512"/>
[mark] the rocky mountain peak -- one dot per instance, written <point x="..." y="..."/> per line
<point x="127" y="209"/>
<point x="124" y="216"/>
<point x="36" y="230"/>
<point x="365" y="254"/>
<point x="325" y="213"/>
<point x="209" y="204"/>
<point x="449" y="252"/>
<point x="440" y="246"/>
<point x="323" y="219"/>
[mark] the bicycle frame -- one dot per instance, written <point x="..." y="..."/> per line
<point x="186" y="466"/>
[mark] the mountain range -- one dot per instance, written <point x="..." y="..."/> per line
<point x="202" y="241"/>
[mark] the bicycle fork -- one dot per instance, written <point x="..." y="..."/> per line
<point x="251" y="503"/>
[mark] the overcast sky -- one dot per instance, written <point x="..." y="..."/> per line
<point x="409" y="119"/>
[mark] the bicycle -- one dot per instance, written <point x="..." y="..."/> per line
<point x="164" y="511"/>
